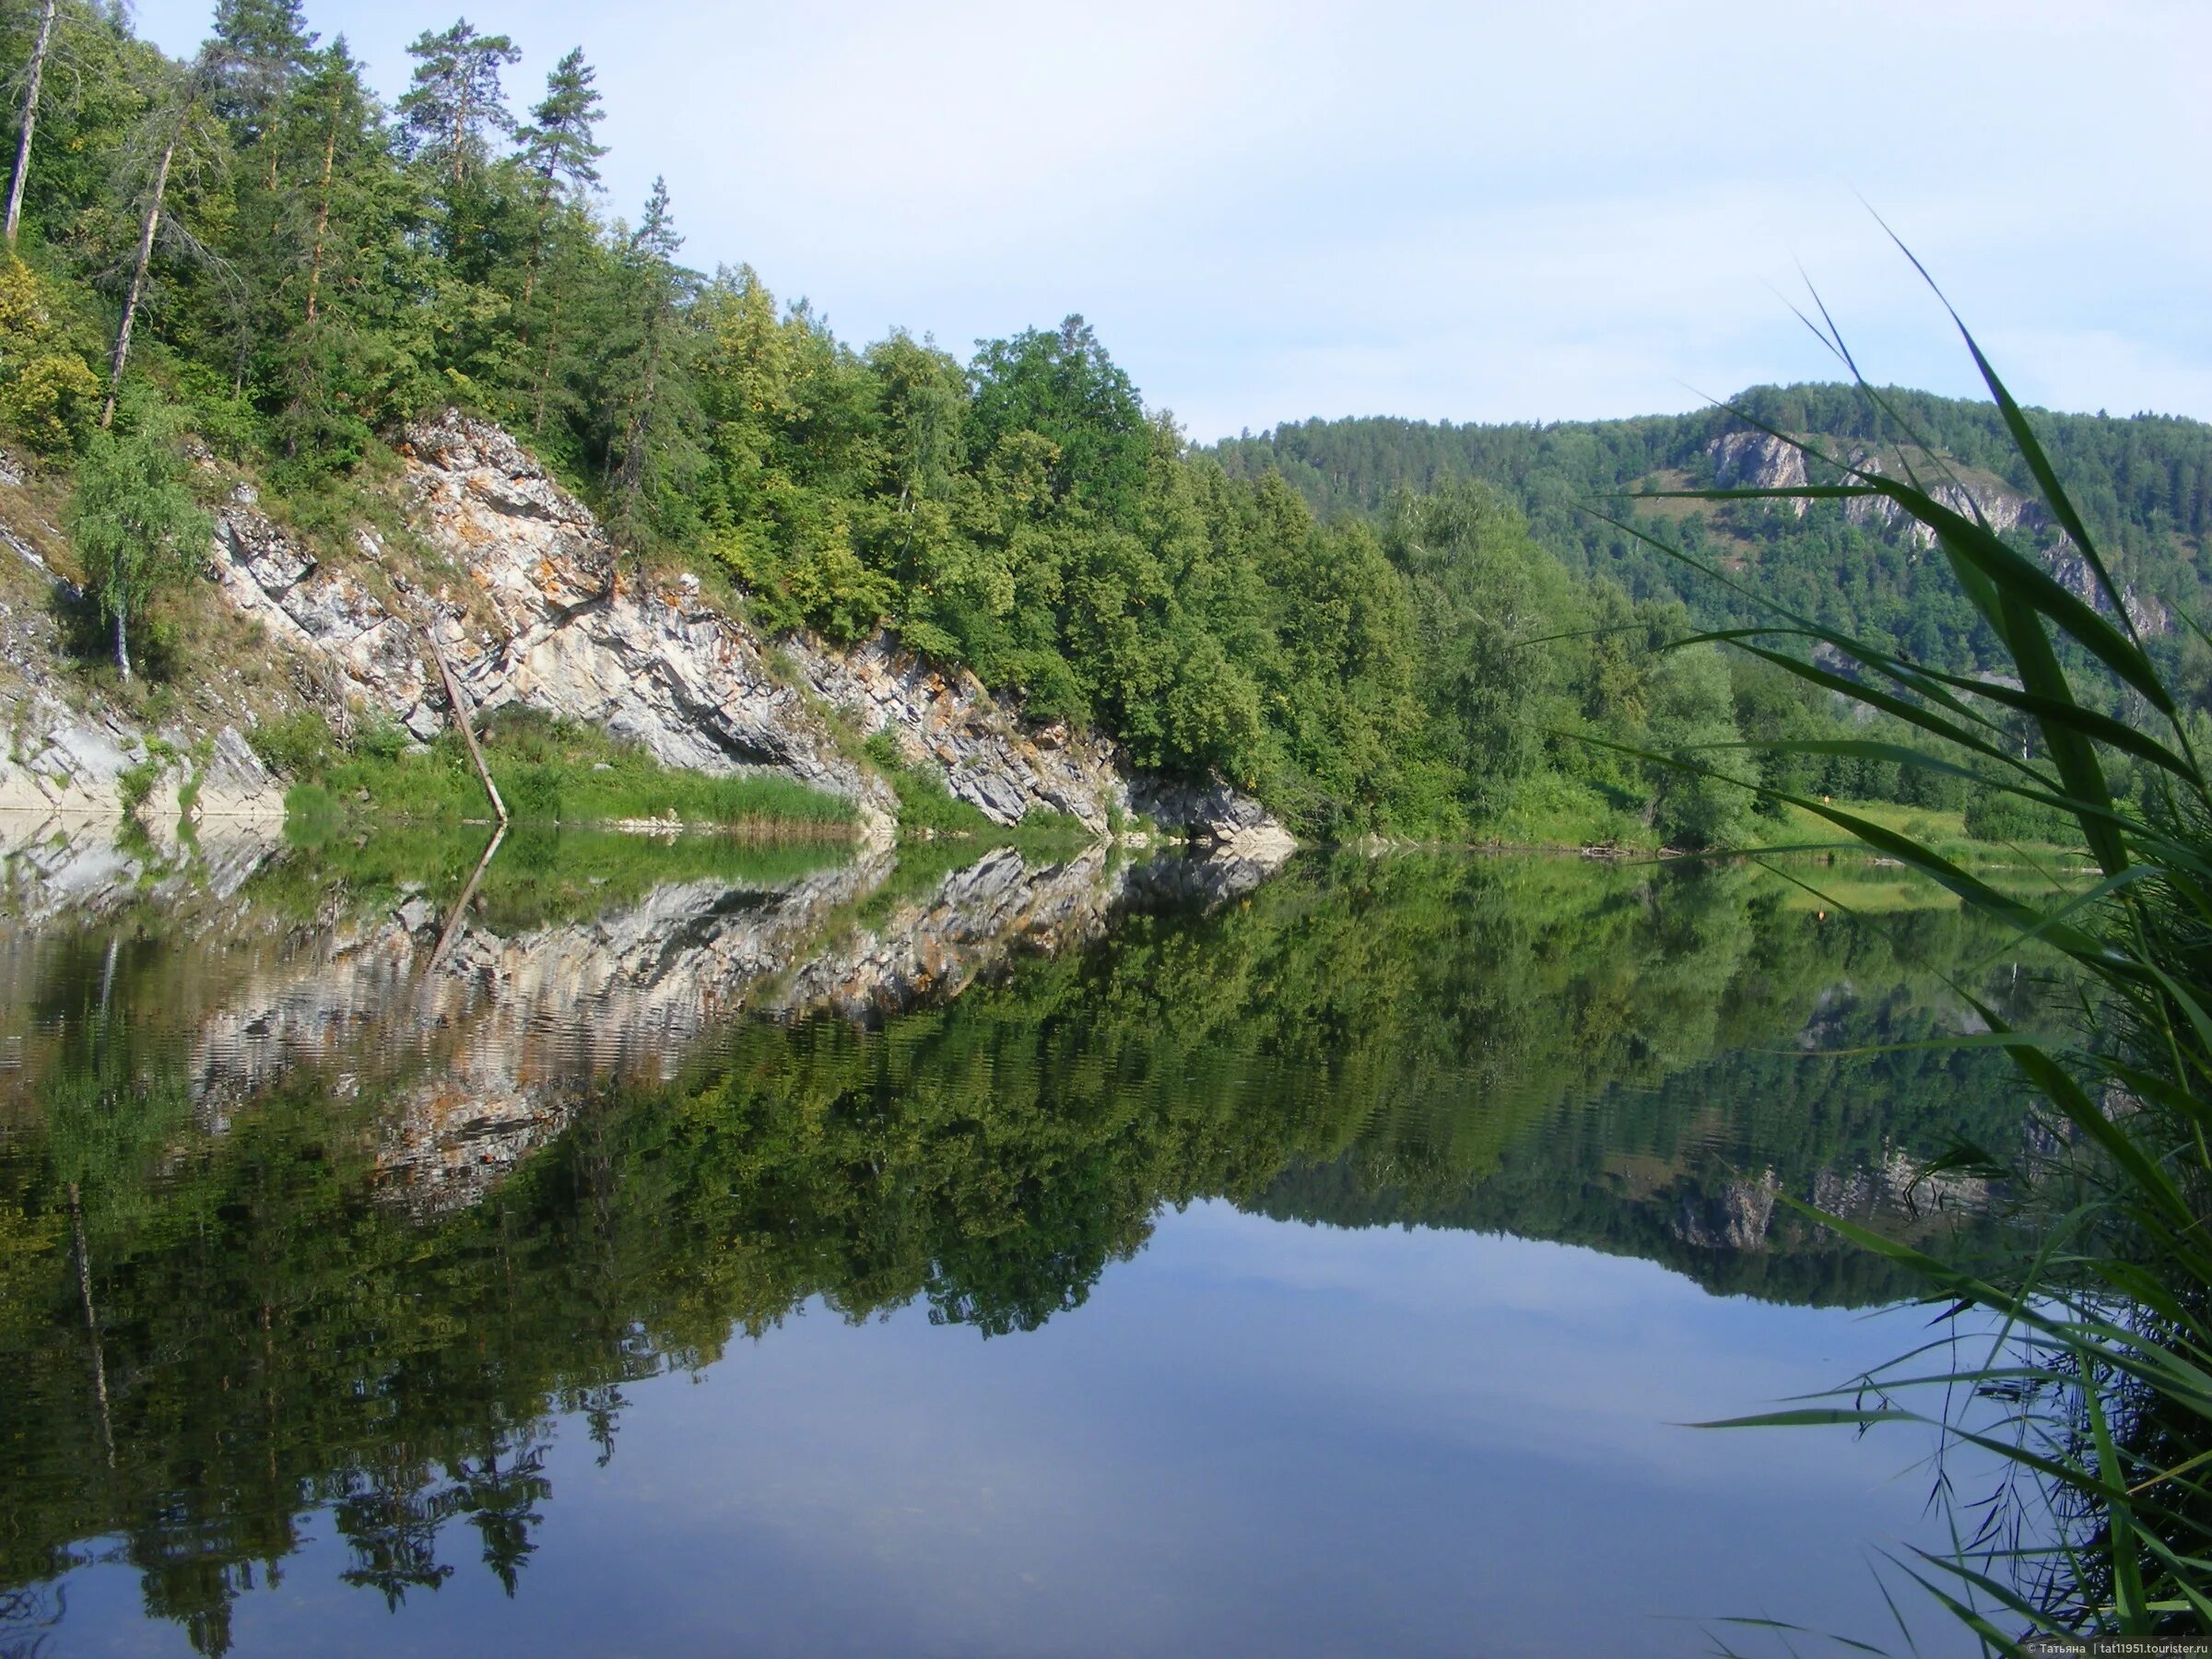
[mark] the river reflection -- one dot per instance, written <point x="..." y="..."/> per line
<point x="360" y="1230"/>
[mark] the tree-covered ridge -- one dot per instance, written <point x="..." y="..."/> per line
<point x="2144" y="485"/>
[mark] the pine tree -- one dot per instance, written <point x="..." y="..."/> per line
<point x="258" y="49"/>
<point x="560" y="152"/>
<point x="456" y="102"/>
<point x="559" y="146"/>
<point x="345" y="317"/>
<point x="653" y="404"/>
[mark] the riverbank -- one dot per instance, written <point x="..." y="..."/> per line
<point x="547" y="771"/>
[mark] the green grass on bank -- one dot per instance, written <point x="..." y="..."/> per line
<point x="1934" y="828"/>
<point x="1554" y="812"/>
<point x="547" y="771"/>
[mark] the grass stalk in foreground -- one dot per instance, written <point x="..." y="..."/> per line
<point x="2095" y="1393"/>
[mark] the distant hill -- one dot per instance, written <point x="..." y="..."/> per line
<point x="2144" y="485"/>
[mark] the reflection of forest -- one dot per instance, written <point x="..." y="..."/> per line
<point x="1603" y="1057"/>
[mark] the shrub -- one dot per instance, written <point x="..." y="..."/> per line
<point x="298" y="744"/>
<point x="48" y="392"/>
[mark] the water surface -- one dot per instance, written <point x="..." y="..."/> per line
<point x="690" y="1248"/>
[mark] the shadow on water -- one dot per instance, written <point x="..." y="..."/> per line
<point x="327" y="1182"/>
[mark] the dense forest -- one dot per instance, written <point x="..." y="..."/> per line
<point x="250" y="250"/>
<point x="2144" y="485"/>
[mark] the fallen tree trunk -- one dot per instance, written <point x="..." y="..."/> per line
<point x="458" y="703"/>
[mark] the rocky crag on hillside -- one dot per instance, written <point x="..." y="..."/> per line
<point x="517" y="588"/>
<point x="65" y="754"/>
<point x="1752" y="460"/>
<point x="537" y="616"/>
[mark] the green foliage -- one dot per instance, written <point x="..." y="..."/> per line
<point x="48" y="392"/>
<point x="1692" y="713"/>
<point x="1064" y="388"/>
<point x="1993" y="814"/>
<point x="296" y="745"/>
<point x="2145" y="485"/>
<point x="135" y="783"/>
<point x="132" y="520"/>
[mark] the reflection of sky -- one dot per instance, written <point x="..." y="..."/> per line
<point x="1256" y="1438"/>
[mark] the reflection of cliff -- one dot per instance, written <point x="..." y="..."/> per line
<point x="76" y="869"/>
<point x="505" y="1032"/>
<point x="931" y="946"/>
<point x="475" y="1049"/>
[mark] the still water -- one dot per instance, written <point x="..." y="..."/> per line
<point x="681" y="1248"/>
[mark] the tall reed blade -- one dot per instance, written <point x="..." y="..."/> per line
<point x="2096" y="1396"/>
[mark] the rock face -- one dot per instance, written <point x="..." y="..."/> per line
<point x="535" y="617"/>
<point x="537" y="620"/>
<point x="991" y="759"/>
<point x="1757" y="461"/>
<point x="2007" y="514"/>
<point x="66" y="758"/>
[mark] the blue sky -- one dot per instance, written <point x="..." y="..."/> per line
<point x="1467" y="211"/>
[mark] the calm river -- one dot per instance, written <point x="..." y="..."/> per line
<point x="688" y="1249"/>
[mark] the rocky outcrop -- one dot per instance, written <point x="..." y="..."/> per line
<point x="66" y="757"/>
<point x="70" y="762"/>
<point x="1222" y="817"/>
<point x="533" y="616"/>
<point x="990" y="758"/>
<point x="1758" y="460"/>
<point x="2009" y="513"/>
<point x="2066" y="562"/>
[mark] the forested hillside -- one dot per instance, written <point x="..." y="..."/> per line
<point x="2144" y="485"/>
<point x="250" y="253"/>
